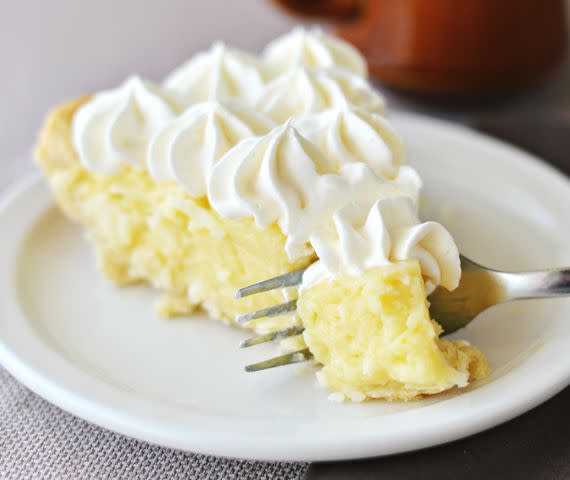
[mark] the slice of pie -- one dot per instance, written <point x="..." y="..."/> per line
<point x="240" y="168"/>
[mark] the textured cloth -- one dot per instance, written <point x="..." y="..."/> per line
<point x="40" y="441"/>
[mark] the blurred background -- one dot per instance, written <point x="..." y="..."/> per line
<point x="468" y="60"/>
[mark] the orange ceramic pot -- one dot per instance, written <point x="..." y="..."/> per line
<point x="450" y="46"/>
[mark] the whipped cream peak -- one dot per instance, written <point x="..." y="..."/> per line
<point x="349" y="134"/>
<point x="312" y="48"/>
<point x="269" y="178"/>
<point x="220" y="73"/>
<point x="186" y="149"/>
<point x="114" y="128"/>
<point x="302" y="91"/>
<point x="389" y="231"/>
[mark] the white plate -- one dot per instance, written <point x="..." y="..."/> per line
<point x="100" y="353"/>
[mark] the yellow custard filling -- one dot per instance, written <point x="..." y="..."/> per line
<point x="374" y="337"/>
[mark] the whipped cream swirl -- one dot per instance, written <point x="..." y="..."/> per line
<point x="185" y="150"/>
<point x="114" y="128"/>
<point x="221" y="73"/>
<point x="390" y="231"/>
<point x="303" y="91"/>
<point x="312" y="49"/>
<point x="355" y="135"/>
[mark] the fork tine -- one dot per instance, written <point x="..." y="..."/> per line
<point x="288" y="280"/>
<point x="284" y="333"/>
<point x="287" y="359"/>
<point x="274" y="311"/>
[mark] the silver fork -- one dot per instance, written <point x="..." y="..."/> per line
<point x="479" y="289"/>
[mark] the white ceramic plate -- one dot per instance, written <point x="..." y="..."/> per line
<point x="100" y="352"/>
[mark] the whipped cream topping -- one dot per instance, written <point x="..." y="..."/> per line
<point x="349" y="215"/>
<point x="221" y="73"/>
<point x="186" y="149"/>
<point x="114" y="128"/>
<point x="312" y="49"/>
<point x="390" y="231"/>
<point x="355" y="135"/>
<point x="309" y="151"/>
<point x="303" y="91"/>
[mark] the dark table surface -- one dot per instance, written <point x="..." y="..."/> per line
<point x="535" y="445"/>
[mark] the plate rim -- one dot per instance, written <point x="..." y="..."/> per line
<point x="216" y="443"/>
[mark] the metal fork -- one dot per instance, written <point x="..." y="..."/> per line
<point x="479" y="289"/>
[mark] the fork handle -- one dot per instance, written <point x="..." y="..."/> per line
<point x="543" y="284"/>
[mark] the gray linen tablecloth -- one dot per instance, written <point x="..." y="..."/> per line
<point x="40" y="441"/>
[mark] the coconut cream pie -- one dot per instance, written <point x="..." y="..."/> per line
<point x="238" y="168"/>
